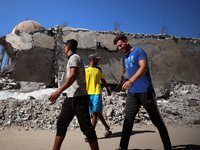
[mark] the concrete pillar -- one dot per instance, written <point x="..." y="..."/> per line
<point x="7" y="60"/>
<point x="1" y="57"/>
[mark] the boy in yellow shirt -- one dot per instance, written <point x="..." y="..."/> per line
<point x="93" y="86"/>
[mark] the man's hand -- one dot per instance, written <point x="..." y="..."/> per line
<point x="54" y="96"/>
<point x="127" y="85"/>
<point x="106" y="86"/>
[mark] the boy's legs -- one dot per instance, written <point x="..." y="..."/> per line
<point x="96" y="107"/>
<point x="149" y="103"/>
<point x="99" y="114"/>
<point x="94" y="119"/>
<point x="132" y="107"/>
<point x="94" y="145"/>
<point x="64" y="119"/>
<point x="58" y="142"/>
<point x="81" y="110"/>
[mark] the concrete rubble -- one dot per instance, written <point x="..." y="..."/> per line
<point x="39" y="56"/>
<point x="26" y="105"/>
<point x="35" y="63"/>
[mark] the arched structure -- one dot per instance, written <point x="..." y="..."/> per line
<point x="27" y="26"/>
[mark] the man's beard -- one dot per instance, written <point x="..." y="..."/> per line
<point x="126" y="50"/>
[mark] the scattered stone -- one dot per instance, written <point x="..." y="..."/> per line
<point x="31" y="109"/>
<point x="6" y="84"/>
<point x="184" y="92"/>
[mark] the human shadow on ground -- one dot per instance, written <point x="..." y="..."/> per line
<point x="179" y="147"/>
<point x="118" y="134"/>
<point x="140" y="149"/>
<point x="186" y="147"/>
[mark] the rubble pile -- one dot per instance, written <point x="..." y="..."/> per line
<point x="31" y="108"/>
<point x="183" y="105"/>
<point x="29" y="113"/>
<point x="6" y="84"/>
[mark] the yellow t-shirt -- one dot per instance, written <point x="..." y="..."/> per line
<point x="92" y="77"/>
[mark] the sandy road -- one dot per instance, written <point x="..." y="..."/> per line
<point x="143" y="138"/>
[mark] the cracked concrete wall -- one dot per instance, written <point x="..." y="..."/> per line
<point x="33" y="56"/>
<point x="172" y="59"/>
<point x="39" y="56"/>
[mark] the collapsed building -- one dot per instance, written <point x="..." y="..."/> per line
<point x="37" y="54"/>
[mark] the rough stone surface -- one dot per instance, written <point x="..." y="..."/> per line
<point x="169" y="57"/>
<point x="43" y="41"/>
<point x="30" y="108"/>
<point x="20" y="42"/>
<point x="36" y="65"/>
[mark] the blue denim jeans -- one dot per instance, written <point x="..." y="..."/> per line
<point x="133" y="104"/>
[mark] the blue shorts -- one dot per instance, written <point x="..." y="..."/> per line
<point x="95" y="103"/>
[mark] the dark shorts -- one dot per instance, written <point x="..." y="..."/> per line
<point x="78" y="106"/>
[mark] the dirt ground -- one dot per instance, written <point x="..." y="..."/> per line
<point x="143" y="138"/>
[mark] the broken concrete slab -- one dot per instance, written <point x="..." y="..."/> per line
<point x="22" y="42"/>
<point x="165" y="54"/>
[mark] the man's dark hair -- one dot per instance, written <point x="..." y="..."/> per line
<point x="72" y="44"/>
<point x="119" y="37"/>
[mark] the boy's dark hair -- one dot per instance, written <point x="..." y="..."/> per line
<point x="119" y="37"/>
<point x="73" y="44"/>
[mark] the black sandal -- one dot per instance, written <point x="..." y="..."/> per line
<point x="107" y="133"/>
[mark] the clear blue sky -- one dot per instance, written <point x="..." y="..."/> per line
<point x="182" y="17"/>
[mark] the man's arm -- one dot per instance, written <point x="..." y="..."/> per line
<point x="70" y="80"/>
<point x="141" y="71"/>
<point x="105" y="84"/>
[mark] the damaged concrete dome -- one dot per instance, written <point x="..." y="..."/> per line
<point x="27" y="26"/>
